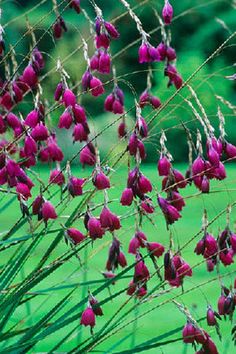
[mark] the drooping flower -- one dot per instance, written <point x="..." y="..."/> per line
<point x="40" y="132"/>
<point x="96" y="87"/>
<point x="137" y="241"/>
<point x="211" y="316"/>
<point x="48" y="211"/>
<point x="95" y="228"/>
<point x="88" y="317"/>
<point x="87" y="155"/>
<point x="167" y="12"/>
<point x="65" y="120"/>
<point x="164" y="166"/>
<point x="75" y="185"/>
<point x="127" y="197"/>
<point x="115" y="256"/>
<point x="155" y="248"/>
<point x="95" y="305"/>
<point x="170" y="212"/>
<point x="109" y="220"/>
<point x="74" y="235"/>
<point x="100" y="180"/>
<point x="57" y="177"/>
<point x="75" y="4"/>
<point x="68" y="98"/>
<point x="189" y="332"/>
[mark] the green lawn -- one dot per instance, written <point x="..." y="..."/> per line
<point x="157" y="321"/>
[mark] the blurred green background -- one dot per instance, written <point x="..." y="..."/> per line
<point x="199" y="28"/>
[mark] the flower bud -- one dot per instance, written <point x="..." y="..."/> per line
<point x="48" y="211"/>
<point x="104" y="63"/>
<point x="95" y="229"/>
<point x="101" y="181"/>
<point x="88" y="317"/>
<point x="111" y="30"/>
<point x="65" y="120"/>
<point x="87" y="156"/>
<point x="109" y="220"/>
<point x="74" y="186"/>
<point x="57" y="177"/>
<point x="40" y="132"/>
<point x="75" y="235"/>
<point x="96" y="87"/>
<point x="127" y="197"/>
<point x="167" y="12"/>
<point x="164" y="166"/>
<point x="32" y="119"/>
<point x="68" y="98"/>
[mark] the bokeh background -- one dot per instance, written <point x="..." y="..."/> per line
<point x="199" y="28"/>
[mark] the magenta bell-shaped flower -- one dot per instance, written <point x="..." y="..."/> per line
<point x="230" y="150"/>
<point x="32" y="119"/>
<point x="111" y="29"/>
<point x="40" y="132"/>
<point x="102" y="40"/>
<point x="109" y="220"/>
<point x="65" y="120"/>
<point x="75" y="235"/>
<point x="164" y="166"/>
<point x="79" y="114"/>
<point x="88" y="318"/>
<point x="141" y="272"/>
<point x="213" y="156"/>
<point x="75" y="185"/>
<point x="29" y="77"/>
<point x="48" y="211"/>
<point x="137" y="241"/>
<point x="87" y="155"/>
<point x="30" y="146"/>
<point x="155" y="248"/>
<point x="68" y="98"/>
<point x="211" y="317"/>
<point x="144" y="185"/>
<point x="170" y="212"/>
<point x="167" y="12"/>
<point x="57" y="177"/>
<point x="95" y="228"/>
<point x="100" y="180"/>
<point x="127" y="197"/>
<point x="104" y="65"/>
<point x="80" y="132"/>
<point x="23" y="191"/>
<point x="96" y="87"/>
<point x="142" y="127"/>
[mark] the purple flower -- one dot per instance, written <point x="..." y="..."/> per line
<point x="100" y="180"/>
<point x="164" y="166"/>
<point x="127" y="197"/>
<point x="74" y="186"/>
<point x="48" y="211"/>
<point x="109" y="220"/>
<point x="167" y="13"/>
<point x="87" y="155"/>
<point x="65" y="120"/>
<point x="75" y="235"/>
<point x="170" y="212"/>
<point x="88" y="318"/>
<point x="96" y="86"/>
<point x="95" y="228"/>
